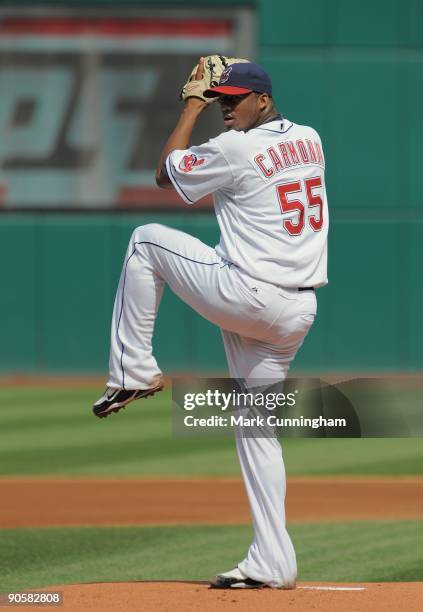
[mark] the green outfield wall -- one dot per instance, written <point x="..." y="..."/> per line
<point x="60" y="272"/>
<point x="353" y="70"/>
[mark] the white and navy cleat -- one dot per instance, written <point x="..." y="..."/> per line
<point x="235" y="579"/>
<point x="114" y="400"/>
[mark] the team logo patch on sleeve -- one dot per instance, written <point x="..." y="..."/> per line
<point x="188" y="162"/>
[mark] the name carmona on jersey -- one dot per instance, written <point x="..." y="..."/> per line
<point x="287" y="154"/>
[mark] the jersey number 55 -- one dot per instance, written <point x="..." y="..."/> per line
<point x="315" y="218"/>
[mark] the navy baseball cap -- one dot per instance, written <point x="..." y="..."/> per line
<point x="239" y="79"/>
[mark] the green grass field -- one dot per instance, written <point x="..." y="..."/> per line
<point x="365" y="551"/>
<point x="52" y="431"/>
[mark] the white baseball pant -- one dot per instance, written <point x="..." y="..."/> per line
<point x="262" y="325"/>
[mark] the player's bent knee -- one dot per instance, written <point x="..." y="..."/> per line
<point x="147" y="232"/>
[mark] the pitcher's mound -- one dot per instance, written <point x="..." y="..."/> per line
<point x="196" y="596"/>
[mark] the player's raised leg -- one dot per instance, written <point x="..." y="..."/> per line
<point x="157" y="254"/>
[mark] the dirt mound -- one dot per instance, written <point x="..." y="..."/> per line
<point x="196" y="596"/>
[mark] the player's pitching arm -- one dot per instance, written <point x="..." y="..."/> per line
<point x="181" y="135"/>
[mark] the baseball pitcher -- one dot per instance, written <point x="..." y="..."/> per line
<point x="258" y="284"/>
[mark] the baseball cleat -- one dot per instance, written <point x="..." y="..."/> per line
<point x="235" y="579"/>
<point x="114" y="400"/>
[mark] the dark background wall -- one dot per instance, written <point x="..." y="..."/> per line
<point x="353" y="71"/>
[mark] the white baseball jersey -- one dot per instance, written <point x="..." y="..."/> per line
<point x="270" y="200"/>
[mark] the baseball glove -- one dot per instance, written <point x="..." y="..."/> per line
<point x="214" y="65"/>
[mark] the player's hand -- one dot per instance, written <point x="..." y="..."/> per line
<point x="200" y="69"/>
<point x="194" y="88"/>
<point x="197" y="102"/>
